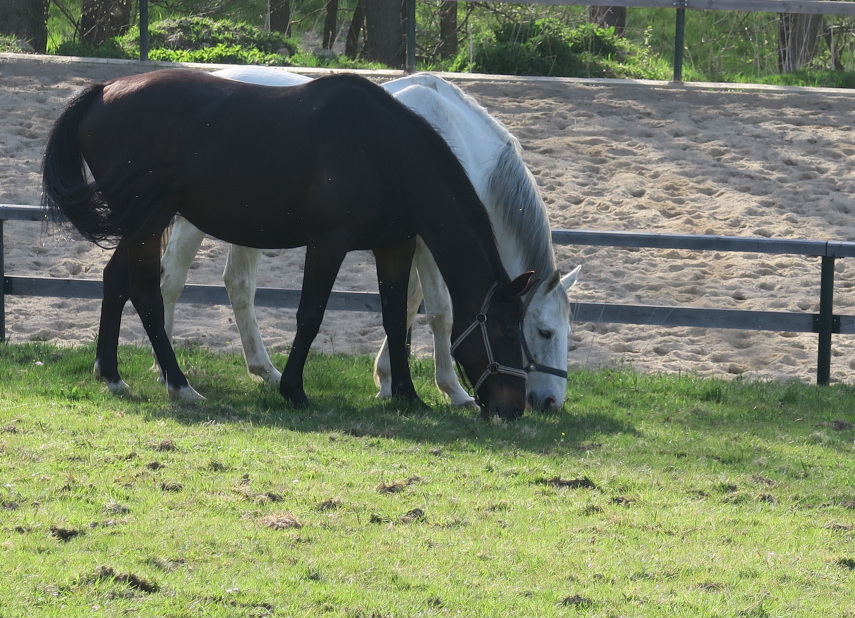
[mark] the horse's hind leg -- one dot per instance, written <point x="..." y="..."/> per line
<point x="116" y="294"/>
<point x="240" y="280"/>
<point x="393" y="273"/>
<point x="184" y="243"/>
<point x="439" y="316"/>
<point x="382" y="365"/>
<point x="323" y="260"/>
<point x="144" y="262"/>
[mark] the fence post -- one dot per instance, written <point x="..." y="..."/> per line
<point x="826" y="321"/>
<point x="411" y="36"/>
<point x="678" y="40"/>
<point x="143" y="29"/>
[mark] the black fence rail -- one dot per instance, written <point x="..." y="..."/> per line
<point x="824" y="324"/>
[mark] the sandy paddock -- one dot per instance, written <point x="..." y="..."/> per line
<point x="607" y="155"/>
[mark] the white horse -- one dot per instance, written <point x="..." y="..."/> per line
<point x="492" y="159"/>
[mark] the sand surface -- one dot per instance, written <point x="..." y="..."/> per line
<point x="607" y="156"/>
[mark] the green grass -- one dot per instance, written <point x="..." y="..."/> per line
<point x="644" y="496"/>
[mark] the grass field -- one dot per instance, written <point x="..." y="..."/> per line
<point x="644" y="496"/>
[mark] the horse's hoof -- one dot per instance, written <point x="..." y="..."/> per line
<point x="114" y="385"/>
<point x="268" y="376"/>
<point x="185" y="393"/>
<point x="465" y="402"/>
<point x="118" y="386"/>
<point x="298" y="400"/>
<point x="384" y="393"/>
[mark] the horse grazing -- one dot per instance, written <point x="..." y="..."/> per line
<point x="492" y="158"/>
<point x="334" y="165"/>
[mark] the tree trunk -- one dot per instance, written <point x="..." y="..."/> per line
<point x="104" y="19"/>
<point x="797" y="38"/>
<point x="384" y="32"/>
<point x="280" y="16"/>
<point x="331" y="24"/>
<point x="608" y="17"/>
<point x="448" y="30"/>
<point x="834" y="47"/>
<point x="351" y="45"/>
<point x="25" y="19"/>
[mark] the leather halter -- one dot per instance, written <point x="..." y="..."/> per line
<point x="492" y="366"/>
<point x="529" y="358"/>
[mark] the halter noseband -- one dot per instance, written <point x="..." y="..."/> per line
<point x="492" y="366"/>
<point x="533" y="365"/>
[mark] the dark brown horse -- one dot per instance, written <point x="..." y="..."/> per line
<point x="333" y="165"/>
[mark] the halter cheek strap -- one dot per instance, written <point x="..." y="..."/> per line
<point x="492" y="366"/>
<point x="531" y="363"/>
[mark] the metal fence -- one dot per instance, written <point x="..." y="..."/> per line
<point x="824" y="324"/>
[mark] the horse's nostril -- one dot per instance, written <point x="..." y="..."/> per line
<point x="547" y="404"/>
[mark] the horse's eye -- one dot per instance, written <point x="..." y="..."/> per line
<point x="510" y="336"/>
<point x="546" y="334"/>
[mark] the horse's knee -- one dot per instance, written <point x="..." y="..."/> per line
<point x="439" y="322"/>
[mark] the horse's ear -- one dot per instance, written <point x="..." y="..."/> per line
<point x="551" y="282"/>
<point x="520" y="285"/>
<point x="569" y="280"/>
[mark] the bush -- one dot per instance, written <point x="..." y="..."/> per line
<point x="220" y="54"/>
<point x="197" y="33"/>
<point x="110" y="49"/>
<point x="548" y="47"/>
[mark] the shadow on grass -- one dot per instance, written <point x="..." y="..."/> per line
<point x="340" y="389"/>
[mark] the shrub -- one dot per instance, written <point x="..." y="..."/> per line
<point x="219" y="54"/>
<point x="196" y="33"/>
<point x="109" y="49"/>
<point x="548" y="47"/>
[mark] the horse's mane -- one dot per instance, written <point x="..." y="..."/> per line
<point x="512" y="190"/>
<point x="513" y="193"/>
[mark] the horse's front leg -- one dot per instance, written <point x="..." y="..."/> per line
<point x="393" y="274"/>
<point x="116" y="293"/>
<point x="144" y="267"/>
<point x="440" y="318"/>
<point x="240" y="279"/>
<point x="323" y="260"/>
<point x="382" y="366"/>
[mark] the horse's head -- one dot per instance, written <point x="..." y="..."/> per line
<point x="489" y="350"/>
<point x="546" y="329"/>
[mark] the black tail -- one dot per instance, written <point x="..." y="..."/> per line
<point x="66" y="194"/>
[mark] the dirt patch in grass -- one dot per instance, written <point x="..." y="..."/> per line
<point x="329" y="505"/>
<point x="128" y="579"/>
<point x="171" y="486"/>
<point x="397" y="486"/>
<point x="64" y="534"/>
<point x="280" y="521"/>
<point x="164" y="446"/>
<point x="847" y="563"/>
<point x="576" y="600"/>
<point x="560" y="483"/>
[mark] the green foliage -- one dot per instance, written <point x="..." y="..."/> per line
<point x="548" y="47"/>
<point x="219" y="54"/>
<point x="8" y="44"/>
<point x="110" y="49"/>
<point x="197" y="33"/>
<point x="204" y="40"/>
